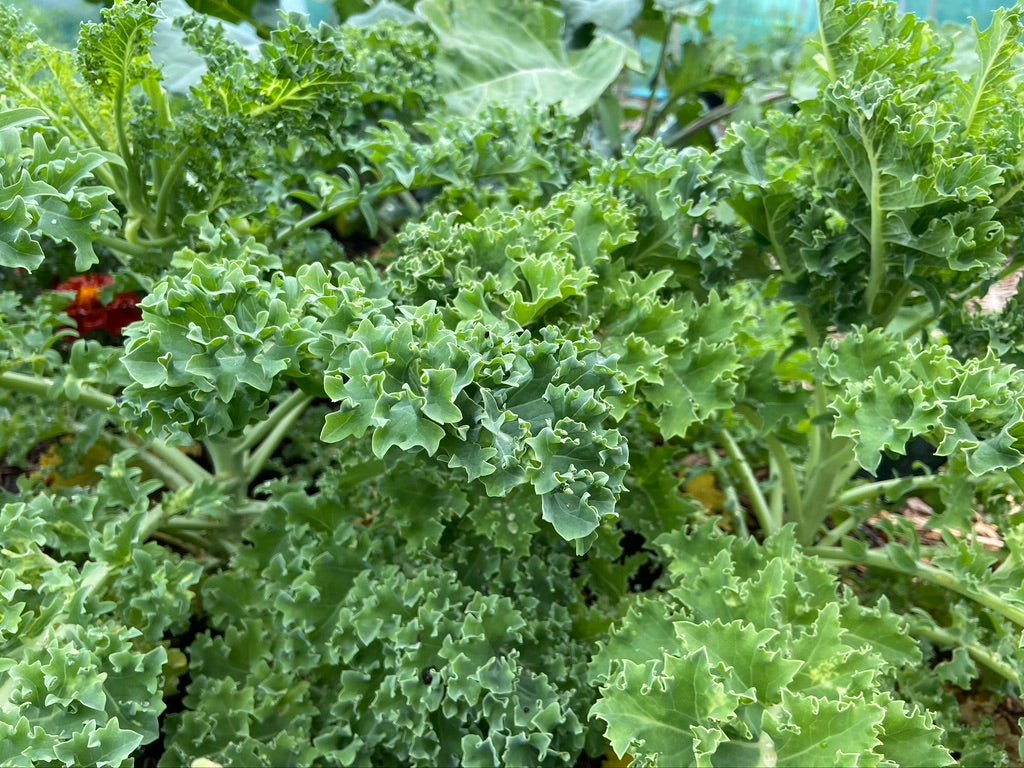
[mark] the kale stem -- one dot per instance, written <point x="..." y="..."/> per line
<point x="167" y="185"/>
<point x="826" y="472"/>
<point x="284" y="423"/>
<point x="123" y="246"/>
<point x="757" y="499"/>
<point x="790" y="486"/>
<point x="983" y="656"/>
<point x="93" y="398"/>
<point x="732" y="502"/>
<point x="1017" y="475"/>
<point x="1008" y="194"/>
<point x="712" y="116"/>
<point x="42" y="387"/>
<point x="837" y="533"/>
<point x="258" y="432"/>
<point x="877" y="272"/>
<point x="312" y="220"/>
<point x="170" y="476"/>
<point x="875" y="558"/>
<point x="648" y="120"/>
<point x="868" y="491"/>
<point x="124" y="144"/>
<point x="830" y="66"/>
<point x="228" y="465"/>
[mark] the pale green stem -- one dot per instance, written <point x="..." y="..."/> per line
<point x="732" y="501"/>
<point x="312" y="220"/>
<point x="837" y="533"/>
<point x="42" y="387"/>
<point x="757" y="500"/>
<point x="131" y="175"/>
<point x="819" y="490"/>
<point x="876" y="272"/>
<point x="92" y="398"/>
<point x="1012" y="266"/>
<point x="874" y="558"/>
<point x="179" y="461"/>
<point x="171" y="478"/>
<point x="190" y="524"/>
<point x="830" y="66"/>
<point x="228" y="465"/>
<point x="776" y="497"/>
<point x="1008" y="194"/>
<point x="648" y="118"/>
<point x="255" y="434"/>
<point x="983" y="656"/>
<point x="163" y="199"/>
<point x="705" y="121"/>
<point x="261" y="455"/>
<point x="790" y="485"/>
<point x="1017" y="475"/>
<point x="123" y="246"/>
<point x="868" y="491"/>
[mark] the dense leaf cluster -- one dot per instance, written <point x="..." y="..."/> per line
<point x="483" y="412"/>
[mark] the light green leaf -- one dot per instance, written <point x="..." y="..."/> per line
<point x="828" y="734"/>
<point x="662" y="722"/>
<point x="512" y="53"/>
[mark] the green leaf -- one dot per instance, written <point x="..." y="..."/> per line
<point x="512" y="53"/>
<point x="745" y="652"/>
<point x="997" y="49"/>
<point x="843" y="734"/>
<point x="45" y="195"/>
<point x="805" y="685"/>
<point x="697" y="383"/>
<point x="909" y="737"/>
<point x="677" y="700"/>
<point x="14" y="118"/>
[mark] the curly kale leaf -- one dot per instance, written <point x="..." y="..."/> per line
<point x="447" y="659"/>
<point x="752" y="659"/>
<point x="878" y="185"/>
<point x="887" y="392"/>
<point x="81" y="681"/>
<point x="205" y="358"/>
<point x="47" y="194"/>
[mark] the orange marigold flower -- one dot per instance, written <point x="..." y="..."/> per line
<point x="91" y="314"/>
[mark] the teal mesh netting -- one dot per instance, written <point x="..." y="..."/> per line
<point x="755" y="20"/>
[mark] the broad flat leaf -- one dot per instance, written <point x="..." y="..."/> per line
<point x="180" y="66"/>
<point x="495" y="51"/>
<point x="385" y="10"/>
<point x="682" y="697"/>
<point x="909" y="736"/>
<point x="745" y="650"/>
<point x="828" y="734"/>
<point x="612" y="15"/>
<point x="14" y="118"/>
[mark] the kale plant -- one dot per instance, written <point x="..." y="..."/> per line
<point x="410" y="391"/>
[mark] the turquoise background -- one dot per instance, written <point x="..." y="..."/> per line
<point x="752" y="20"/>
<point x="748" y="21"/>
